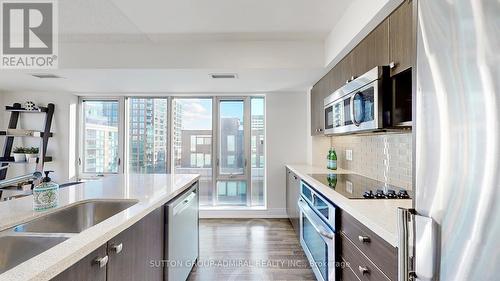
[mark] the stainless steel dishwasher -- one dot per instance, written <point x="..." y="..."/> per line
<point x="182" y="236"/>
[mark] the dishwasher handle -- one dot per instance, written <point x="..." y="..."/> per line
<point x="185" y="203"/>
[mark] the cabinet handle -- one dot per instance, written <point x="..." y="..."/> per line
<point x="392" y="65"/>
<point x="101" y="261"/>
<point x="364" y="239"/>
<point x="320" y="130"/>
<point x="117" y="248"/>
<point x="350" y="79"/>
<point x="363" y="270"/>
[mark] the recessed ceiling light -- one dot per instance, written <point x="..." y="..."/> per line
<point x="46" y="76"/>
<point x="223" y="76"/>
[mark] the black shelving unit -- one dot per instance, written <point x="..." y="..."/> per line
<point x="12" y="132"/>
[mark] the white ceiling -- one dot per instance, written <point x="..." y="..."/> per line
<point x="150" y="46"/>
<point x="181" y="17"/>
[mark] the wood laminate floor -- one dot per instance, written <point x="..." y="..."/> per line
<point x="250" y="249"/>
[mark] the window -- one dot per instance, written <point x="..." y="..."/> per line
<point x="152" y="142"/>
<point x="191" y="132"/>
<point x="100" y="143"/>
<point x="257" y="150"/>
<point x="230" y="159"/>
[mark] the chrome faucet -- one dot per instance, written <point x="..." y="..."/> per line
<point x="33" y="176"/>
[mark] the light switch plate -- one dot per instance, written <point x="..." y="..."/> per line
<point x="348" y="154"/>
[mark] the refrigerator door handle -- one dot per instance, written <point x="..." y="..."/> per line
<point x="404" y="239"/>
<point x="417" y="244"/>
<point x="426" y="245"/>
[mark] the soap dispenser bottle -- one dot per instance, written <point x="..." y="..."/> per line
<point x="46" y="194"/>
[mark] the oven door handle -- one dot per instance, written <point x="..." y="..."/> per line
<point x="315" y="222"/>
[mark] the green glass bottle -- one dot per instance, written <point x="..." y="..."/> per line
<point x="329" y="159"/>
<point x="334" y="160"/>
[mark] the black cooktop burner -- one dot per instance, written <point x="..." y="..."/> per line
<point x="355" y="186"/>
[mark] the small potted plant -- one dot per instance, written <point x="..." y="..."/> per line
<point x="31" y="153"/>
<point x="19" y="154"/>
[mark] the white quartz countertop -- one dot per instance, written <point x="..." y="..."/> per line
<point x="379" y="215"/>
<point x="151" y="191"/>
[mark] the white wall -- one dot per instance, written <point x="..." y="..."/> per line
<point x="246" y="54"/>
<point x="63" y="127"/>
<point x="287" y="131"/>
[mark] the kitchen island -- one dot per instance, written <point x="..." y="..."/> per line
<point x="148" y="192"/>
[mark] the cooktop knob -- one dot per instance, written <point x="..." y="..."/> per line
<point x="403" y="194"/>
<point x="379" y="194"/>
<point x="368" y="194"/>
<point x="391" y="194"/>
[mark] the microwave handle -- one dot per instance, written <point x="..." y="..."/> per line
<point x="353" y="116"/>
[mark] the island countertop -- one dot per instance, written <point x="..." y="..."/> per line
<point x="380" y="216"/>
<point x="151" y="191"/>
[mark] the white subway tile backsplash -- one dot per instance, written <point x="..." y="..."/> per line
<point x="383" y="157"/>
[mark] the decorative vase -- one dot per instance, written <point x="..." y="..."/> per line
<point x="19" y="157"/>
<point x="31" y="156"/>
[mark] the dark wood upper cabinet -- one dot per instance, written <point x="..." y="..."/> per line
<point x="391" y="41"/>
<point x="402" y="31"/>
<point x="341" y="73"/>
<point x="87" y="268"/>
<point x="372" y="51"/>
<point x="131" y="251"/>
<point x="318" y="94"/>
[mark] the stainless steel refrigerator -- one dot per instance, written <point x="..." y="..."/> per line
<point x="454" y="231"/>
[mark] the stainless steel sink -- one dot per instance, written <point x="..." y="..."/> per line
<point x="17" y="249"/>
<point x="76" y="218"/>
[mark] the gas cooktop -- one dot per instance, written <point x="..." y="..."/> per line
<point x="355" y="186"/>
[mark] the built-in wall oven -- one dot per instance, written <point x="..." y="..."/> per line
<point x="360" y="105"/>
<point x="317" y="232"/>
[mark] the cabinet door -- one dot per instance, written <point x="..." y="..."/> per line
<point x="317" y="107"/>
<point x="132" y="251"/>
<point x="402" y="30"/>
<point x="343" y="71"/>
<point x="295" y="193"/>
<point x="87" y="268"/>
<point x="372" y="51"/>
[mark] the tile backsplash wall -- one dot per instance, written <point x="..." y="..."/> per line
<point x="385" y="157"/>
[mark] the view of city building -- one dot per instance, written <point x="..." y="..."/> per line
<point x="148" y="124"/>
<point x="192" y="144"/>
<point x="100" y="143"/>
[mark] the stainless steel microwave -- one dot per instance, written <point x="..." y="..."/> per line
<point x="360" y="105"/>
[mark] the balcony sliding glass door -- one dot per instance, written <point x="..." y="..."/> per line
<point x="233" y="152"/>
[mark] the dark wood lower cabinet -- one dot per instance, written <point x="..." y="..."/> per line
<point x="374" y="247"/>
<point x="86" y="269"/>
<point x="129" y="254"/>
<point x="133" y="252"/>
<point x="347" y="274"/>
<point x="364" y="268"/>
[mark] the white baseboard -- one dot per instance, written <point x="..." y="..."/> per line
<point x="247" y="214"/>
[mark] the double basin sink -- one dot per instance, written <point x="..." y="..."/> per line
<point x="24" y="241"/>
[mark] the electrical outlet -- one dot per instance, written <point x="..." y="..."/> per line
<point x="348" y="186"/>
<point x="348" y="154"/>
